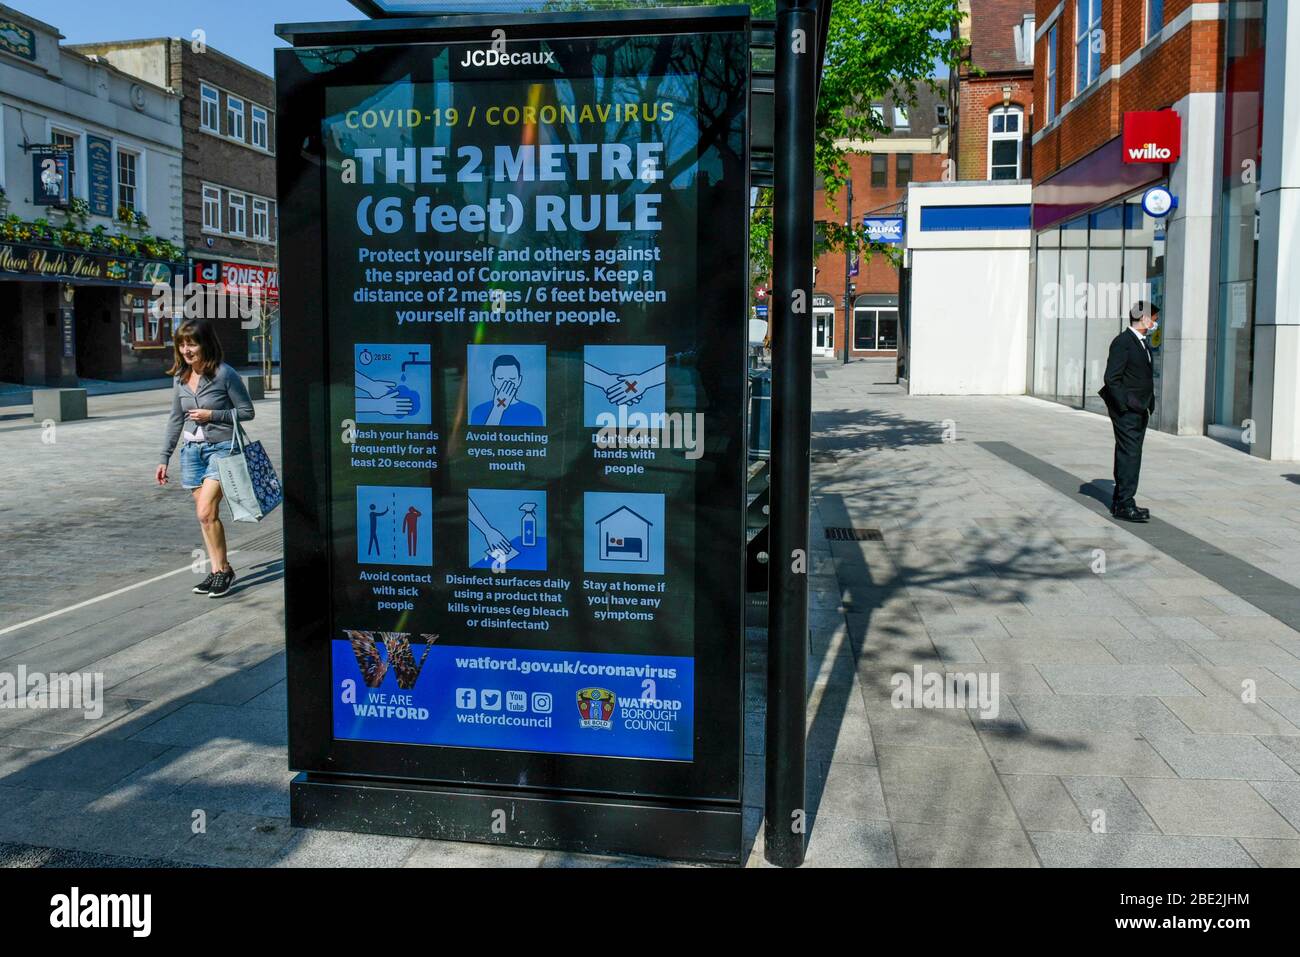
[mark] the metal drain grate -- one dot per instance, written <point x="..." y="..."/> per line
<point x="270" y="542"/>
<point x="839" y="534"/>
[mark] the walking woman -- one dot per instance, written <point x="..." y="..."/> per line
<point x="206" y="396"/>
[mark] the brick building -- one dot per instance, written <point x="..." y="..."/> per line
<point x="992" y="99"/>
<point x="228" y="181"/>
<point x="915" y="150"/>
<point x="1217" y="263"/>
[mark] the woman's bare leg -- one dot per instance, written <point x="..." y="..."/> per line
<point x="207" y="502"/>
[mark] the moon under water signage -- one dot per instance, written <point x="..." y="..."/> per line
<point x="529" y="314"/>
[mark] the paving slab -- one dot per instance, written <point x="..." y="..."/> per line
<point x="1057" y="849"/>
<point x="1222" y="808"/>
<point x="932" y="845"/>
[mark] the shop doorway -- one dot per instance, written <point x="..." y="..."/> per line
<point x="823" y="332"/>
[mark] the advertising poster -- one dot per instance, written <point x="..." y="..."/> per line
<point x="535" y="478"/>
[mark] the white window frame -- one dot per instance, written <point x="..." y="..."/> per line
<point x="138" y="155"/>
<point x="1084" y="28"/>
<point x="264" y="207"/>
<point x="242" y="206"/>
<point x="1053" y="59"/>
<point x="204" y="101"/>
<point x="264" y="123"/>
<point x="1152" y="30"/>
<point x="901" y="120"/>
<point x="1018" y="137"/>
<point x="213" y="193"/>
<point x="233" y="112"/>
<point x="1028" y="28"/>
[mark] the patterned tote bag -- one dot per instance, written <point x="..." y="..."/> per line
<point x="248" y="479"/>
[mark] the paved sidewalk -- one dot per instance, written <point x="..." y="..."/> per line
<point x="1120" y="690"/>
<point x="1121" y="737"/>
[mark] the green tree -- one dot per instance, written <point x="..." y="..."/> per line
<point x="874" y="48"/>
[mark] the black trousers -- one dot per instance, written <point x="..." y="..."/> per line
<point x="1130" y="429"/>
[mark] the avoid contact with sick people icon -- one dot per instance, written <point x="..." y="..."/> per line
<point x="392" y="383"/>
<point x="614" y="376"/>
<point x="394" y="525"/>
<point x="623" y="532"/>
<point x="507" y="385"/>
<point x="507" y="529"/>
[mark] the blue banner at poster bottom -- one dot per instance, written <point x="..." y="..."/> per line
<point x="634" y="706"/>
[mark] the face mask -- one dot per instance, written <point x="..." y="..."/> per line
<point x="1154" y="326"/>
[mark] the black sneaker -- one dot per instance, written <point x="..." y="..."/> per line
<point x="205" y="586"/>
<point x="221" y="583"/>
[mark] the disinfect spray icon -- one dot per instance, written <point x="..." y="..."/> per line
<point x="528" y="524"/>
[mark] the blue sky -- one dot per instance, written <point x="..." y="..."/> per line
<point x="244" y="29"/>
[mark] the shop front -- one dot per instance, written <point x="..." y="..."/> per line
<point x="251" y="310"/>
<point x="823" y="325"/>
<point x="1097" y="251"/>
<point x="875" y="325"/>
<point x="71" y="315"/>
<point x="1230" y="407"/>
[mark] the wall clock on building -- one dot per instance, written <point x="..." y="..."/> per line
<point x="1158" y="201"/>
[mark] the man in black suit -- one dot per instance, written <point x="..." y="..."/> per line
<point x="1130" y="398"/>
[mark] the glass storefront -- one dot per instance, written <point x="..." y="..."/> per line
<point x="1239" y="240"/>
<point x="1089" y="272"/>
<point x="875" y="323"/>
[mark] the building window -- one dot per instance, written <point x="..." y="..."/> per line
<point x="1051" y="74"/>
<point x="875" y="327"/>
<point x="901" y="121"/>
<point x="1088" y="41"/>
<point x="211" y="209"/>
<point x="879" y="110"/>
<point x="1155" y="17"/>
<point x="1025" y="39"/>
<point x="261" y="219"/>
<point x="209" y="109"/>
<point x="238" y="209"/>
<point x="902" y="169"/>
<point x="128" y="181"/>
<point x="879" y="171"/>
<point x="234" y="117"/>
<point x="260" y="128"/>
<point x="941" y="113"/>
<point x="60" y="138"/>
<point x="1004" y="142"/>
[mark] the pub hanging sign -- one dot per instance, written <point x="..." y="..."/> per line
<point x="51" y="183"/>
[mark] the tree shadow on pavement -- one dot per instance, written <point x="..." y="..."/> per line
<point x="886" y="586"/>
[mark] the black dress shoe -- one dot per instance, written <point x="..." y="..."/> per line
<point x="1144" y="512"/>
<point x="1132" y="514"/>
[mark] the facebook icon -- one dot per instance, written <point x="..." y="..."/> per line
<point x="465" y="698"/>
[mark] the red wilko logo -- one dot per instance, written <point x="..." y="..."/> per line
<point x="1152" y="137"/>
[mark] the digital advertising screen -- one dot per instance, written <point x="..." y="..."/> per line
<point x="529" y="313"/>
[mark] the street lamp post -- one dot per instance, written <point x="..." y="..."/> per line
<point x="848" y="272"/>
<point x="797" y="56"/>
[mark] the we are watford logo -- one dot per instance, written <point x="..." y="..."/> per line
<point x="400" y="658"/>
<point x="1152" y="136"/>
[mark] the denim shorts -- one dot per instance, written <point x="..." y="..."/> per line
<point x="199" y="461"/>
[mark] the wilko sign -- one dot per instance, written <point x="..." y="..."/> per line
<point x="1152" y="137"/>
<point x="238" y="277"/>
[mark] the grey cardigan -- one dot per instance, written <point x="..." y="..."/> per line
<point x="220" y="394"/>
